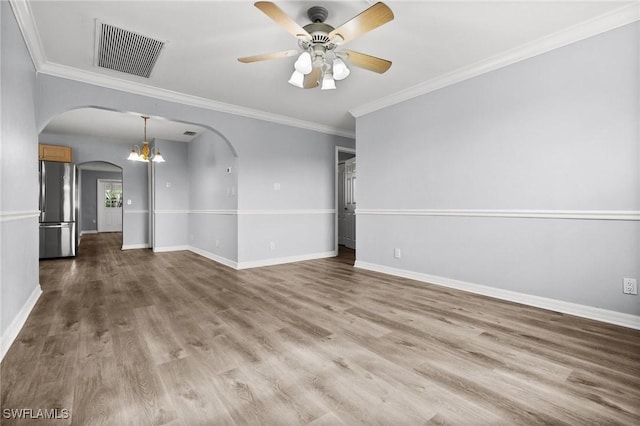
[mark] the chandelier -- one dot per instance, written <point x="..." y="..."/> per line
<point x="145" y="153"/>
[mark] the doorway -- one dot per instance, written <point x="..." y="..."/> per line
<point x="92" y="198"/>
<point x="345" y="190"/>
<point x="109" y="205"/>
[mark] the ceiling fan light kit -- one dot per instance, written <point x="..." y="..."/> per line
<point x="321" y="62"/>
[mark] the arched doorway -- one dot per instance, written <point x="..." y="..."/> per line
<point x="100" y="198"/>
<point x="104" y="134"/>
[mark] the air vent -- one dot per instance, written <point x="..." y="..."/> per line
<point x="189" y="133"/>
<point x="125" y="51"/>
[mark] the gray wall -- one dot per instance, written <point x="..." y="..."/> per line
<point x="88" y="197"/>
<point x="557" y="132"/>
<point x="171" y="195"/>
<point x="298" y="218"/>
<point x="135" y="222"/>
<point x="18" y="174"/>
<point x="213" y="225"/>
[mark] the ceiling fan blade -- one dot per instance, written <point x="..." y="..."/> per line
<point x="368" y="62"/>
<point x="282" y="19"/>
<point x="312" y="79"/>
<point x="267" y="56"/>
<point x="376" y="15"/>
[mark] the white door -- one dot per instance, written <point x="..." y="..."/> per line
<point x="109" y="205"/>
<point x="349" y="228"/>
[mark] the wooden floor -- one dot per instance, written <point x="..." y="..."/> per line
<point x="173" y="338"/>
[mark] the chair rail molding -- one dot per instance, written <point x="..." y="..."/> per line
<point x="628" y="215"/>
<point x="10" y="216"/>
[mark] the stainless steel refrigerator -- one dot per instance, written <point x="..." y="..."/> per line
<point x="58" y="209"/>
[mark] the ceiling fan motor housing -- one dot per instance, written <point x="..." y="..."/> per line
<point x="319" y="36"/>
<point x="317" y="13"/>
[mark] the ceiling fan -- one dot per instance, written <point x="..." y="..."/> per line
<point x="320" y="58"/>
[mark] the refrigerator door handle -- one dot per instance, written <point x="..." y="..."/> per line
<point x="55" y="225"/>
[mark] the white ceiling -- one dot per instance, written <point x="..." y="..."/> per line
<point x="428" y="42"/>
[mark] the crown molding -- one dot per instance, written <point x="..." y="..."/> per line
<point x="115" y="83"/>
<point x="29" y="30"/>
<point x="598" y="25"/>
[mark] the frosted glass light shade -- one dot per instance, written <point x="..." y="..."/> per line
<point x="297" y="79"/>
<point x="303" y="64"/>
<point x="328" y="83"/>
<point x="158" y="158"/>
<point x="340" y="70"/>
<point x="133" y="155"/>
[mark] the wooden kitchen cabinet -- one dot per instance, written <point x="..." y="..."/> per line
<point x="62" y="154"/>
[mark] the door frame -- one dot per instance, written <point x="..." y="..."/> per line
<point x="100" y="199"/>
<point x="339" y="149"/>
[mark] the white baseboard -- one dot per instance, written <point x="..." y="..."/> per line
<point x="14" y="328"/>
<point x="263" y="262"/>
<point x="88" y="232"/>
<point x="216" y="258"/>
<point x="584" y="311"/>
<point x="170" y="248"/>
<point x="135" y="246"/>
<point x="283" y="260"/>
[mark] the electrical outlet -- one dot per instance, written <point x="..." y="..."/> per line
<point x="629" y="286"/>
<point x="397" y="253"/>
<point x="272" y="245"/>
<point x="217" y="243"/>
